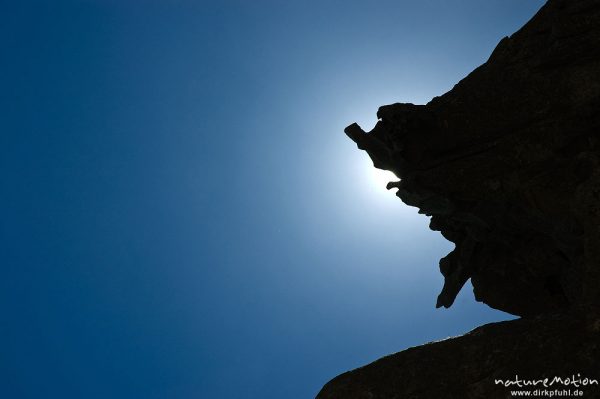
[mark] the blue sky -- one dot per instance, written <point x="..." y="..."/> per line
<point x="182" y="215"/>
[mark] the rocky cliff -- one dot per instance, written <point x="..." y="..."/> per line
<point x="507" y="164"/>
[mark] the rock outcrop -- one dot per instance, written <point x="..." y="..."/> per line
<point x="488" y="363"/>
<point x="507" y="164"/>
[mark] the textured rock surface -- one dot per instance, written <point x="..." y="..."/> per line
<point x="506" y="163"/>
<point x="467" y="367"/>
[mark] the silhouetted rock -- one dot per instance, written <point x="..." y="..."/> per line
<point x="507" y="164"/>
<point x="471" y="366"/>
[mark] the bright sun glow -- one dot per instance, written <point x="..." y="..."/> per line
<point x="382" y="177"/>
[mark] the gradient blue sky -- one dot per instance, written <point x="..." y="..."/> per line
<point x="182" y="215"/>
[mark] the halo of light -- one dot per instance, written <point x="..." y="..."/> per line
<point x="380" y="178"/>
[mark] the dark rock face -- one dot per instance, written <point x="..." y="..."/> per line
<point x="507" y="164"/>
<point x="468" y="367"/>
